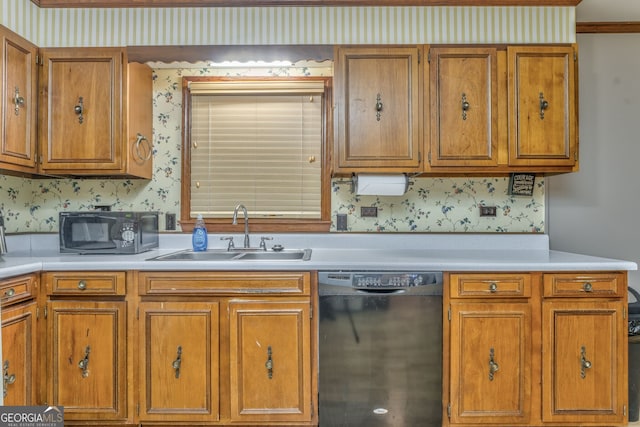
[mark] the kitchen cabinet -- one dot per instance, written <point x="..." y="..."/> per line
<point x="463" y="117"/>
<point x="179" y="371"/>
<point x="377" y="108"/>
<point x="542" y="97"/>
<point x="490" y="349"/>
<point x="270" y="360"/>
<point x="564" y="334"/>
<point x="19" y="340"/>
<point x="239" y="344"/>
<point x="584" y="343"/>
<point x="18" y="74"/>
<point x="95" y="113"/>
<point x="87" y="366"/>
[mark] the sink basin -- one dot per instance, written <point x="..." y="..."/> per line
<point x="236" y="255"/>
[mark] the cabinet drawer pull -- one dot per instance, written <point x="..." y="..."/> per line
<point x="269" y="363"/>
<point x="82" y="285"/>
<point x="493" y="287"/>
<point x="493" y="366"/>
<point x="544" y="104"/>
<point x="379" y="107"/>
<point x="79" y="110"/>
<point x="7" y="379"/>
<point x="465" y="106"/>
<point x="18" y="101"/>
<point x="9" y="293"/>
<point x="176" y="363"/>
<point x="83" y="364"/>
<point x="588" y="287"/>
<point x="584" y="363"/>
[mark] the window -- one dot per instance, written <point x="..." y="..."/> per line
<point x="260" y="143"/>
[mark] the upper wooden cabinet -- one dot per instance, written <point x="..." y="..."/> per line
<point x="463" y="117"/>
<point x="377" y="109"/>
<point x="542" y="106"/>
<point x="484" y="110"/>
<point x="18" y="74"/>
<point x="95" y="113"/>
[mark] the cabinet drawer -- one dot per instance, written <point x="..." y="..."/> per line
<point x="85" y="283"/>
<point x="585" y="285"/>
<point x="498" y="285"/>
<point x="17" y="289"/>
<point x="208" y="283"/>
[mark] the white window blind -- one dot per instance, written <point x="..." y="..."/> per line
<point x="258" y="144"/>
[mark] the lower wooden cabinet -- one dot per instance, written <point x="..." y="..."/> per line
<point x="226" y="348"/>
<point x="19" y="340"/>
<point x="536" y="349"/>
<point x="270" y="361"/>
<point x="87" y="359"/>
<point x="179" y="354"/>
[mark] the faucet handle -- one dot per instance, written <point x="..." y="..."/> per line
<point x="263" y="244"/>
<point x="230" y="245"/>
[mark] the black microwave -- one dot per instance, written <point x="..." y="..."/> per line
<point x="100" y="232"/>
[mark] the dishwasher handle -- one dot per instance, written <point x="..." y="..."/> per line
<point x="325" y="289"/>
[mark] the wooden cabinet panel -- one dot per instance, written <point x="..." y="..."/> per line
<point x="493" y="285"/>
<point x="19" y="356"/>
<point x="18" y="76"/>
<point x="95" y="113"/>
<point x="490" y="363"/>
<point x="85" y="283"/>
<point x="377" y="106"/>
<point x="87" y="359"/>
<point x="270" y="355"/>
<point x="542" y="106"/>
<point x="584" y="347"/>
<point x="464" y="107"/>
<point x="179" y="360"/>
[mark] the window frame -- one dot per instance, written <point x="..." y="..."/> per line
<point x="258" y="224"/>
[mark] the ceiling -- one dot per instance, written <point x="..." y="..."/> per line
<point x="608" y="10"/>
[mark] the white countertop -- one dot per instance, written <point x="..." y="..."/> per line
<point x="440" y="252"/>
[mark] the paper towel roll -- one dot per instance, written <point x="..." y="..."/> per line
<point x="381" y="184"/>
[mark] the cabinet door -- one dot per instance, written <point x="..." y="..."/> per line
<point x="19" y="88"/>
<point x="542" y="106"/>
<point x="584" y="359"/>
<point x="377" y="108"/>
<point x="87" y="359"/>
<point x="270" y="361"/>
<point x="81" y="110"/>
<point x="179" y="361"/>
<point x="19" y="354"/>
<point x="464" y="107"/>
<point x="490" y="363"/>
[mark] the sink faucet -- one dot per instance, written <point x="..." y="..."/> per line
<point x="246" y="223"/>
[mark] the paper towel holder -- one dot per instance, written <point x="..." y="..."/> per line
<point x="354" y="183"/>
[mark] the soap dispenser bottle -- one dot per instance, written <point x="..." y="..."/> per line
<point x="199" y="237"/>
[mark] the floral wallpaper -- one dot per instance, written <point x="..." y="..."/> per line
<point x="430" y="204"/>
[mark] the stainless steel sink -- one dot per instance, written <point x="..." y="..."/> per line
<point x="236" y="255"/>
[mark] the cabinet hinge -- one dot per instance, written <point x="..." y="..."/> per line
<point x="449" y="313"/>
<point x="624" y="410"/>
<point x="429" y="55"/>
<point x="449" y="410"/>
<point x="37" y="313"/>
<point x="310" y="312"/>
<point x="46" y="311"/>
<point x="138" y="313"/>
<point x="575" y="56"/>
<point x="137" y="409"/>
<point x="429" y="156"/>
<point x="624" y="313"/>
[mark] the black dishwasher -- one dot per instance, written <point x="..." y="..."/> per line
<point x="380" y="349"/>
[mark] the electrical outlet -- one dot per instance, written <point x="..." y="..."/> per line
<point x="341" y="222"/>
<point x="368" y="211"/>
<point x="488" y="211"/>
<point x="170" y="221"/>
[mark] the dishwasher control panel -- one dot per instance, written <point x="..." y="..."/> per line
<point x="380" y="279"/>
